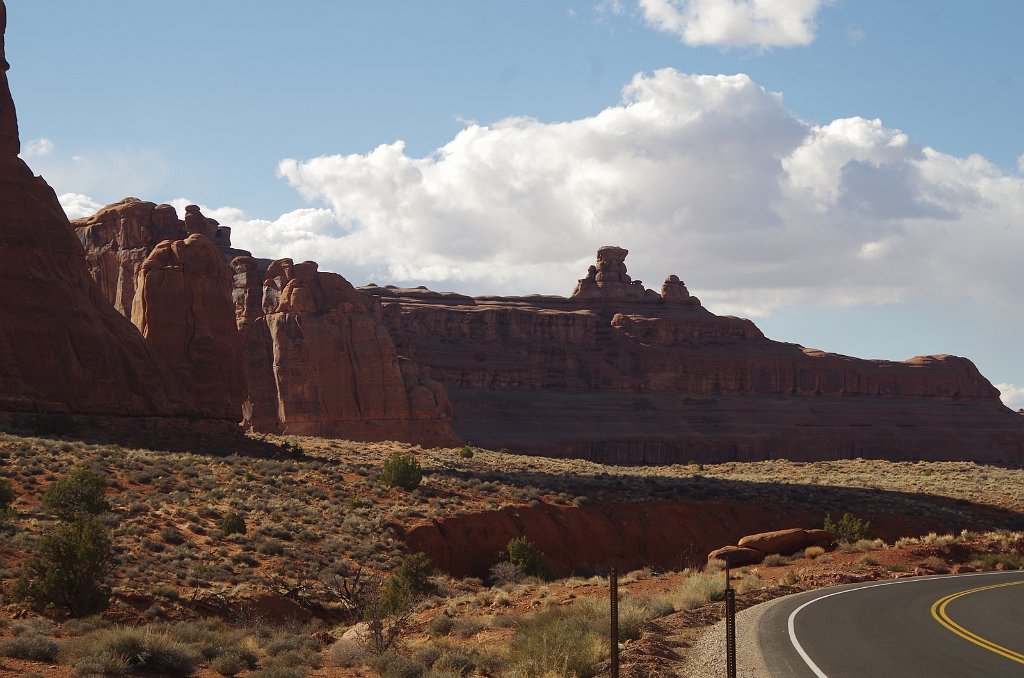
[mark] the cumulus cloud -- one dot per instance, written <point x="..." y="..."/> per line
<point x="77" y="205"/>
<point x="707" y="177"/>
<point x="758" y="23"/>
<point x="1012" y="396"/>
<point x="36" y="148"/>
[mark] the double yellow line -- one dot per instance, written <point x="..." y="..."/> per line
<point x="940" y="615"/>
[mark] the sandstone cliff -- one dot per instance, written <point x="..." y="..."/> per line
<point x="62" y="347"/>
<point x="319" y="362"/>
<point x="182" y="306"/>
<point x="619" y="373"/>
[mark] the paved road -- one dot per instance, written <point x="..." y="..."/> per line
<point x="929" y="627"/>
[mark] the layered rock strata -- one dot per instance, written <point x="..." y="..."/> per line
<point x="622" y="374"/>
<point x="319" y="361"/>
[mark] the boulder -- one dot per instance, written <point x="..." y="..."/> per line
<point x="822" y="538"/>
<point x="779" y="541"/>
<point x="737" y="555"/>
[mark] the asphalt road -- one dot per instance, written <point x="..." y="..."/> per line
<point x="958" y="626"/>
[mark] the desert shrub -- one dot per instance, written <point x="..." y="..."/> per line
<point x="270" y="547"/>
<point x="230" y="663"/>
<point x="698" y="589"/>
<point x="135" y="650"/>
<point x="32" y="647"/>
<point x="454" y="662"/>
<point x="774" y="560"/>
<point x="396" y="666"/>
<point x="67" y="569"/>
<point x="560" y="641"/>
<point x="6" y="499"/>
<point x="848" y="529"/>
<point x="503" y="572"/>
<point x="410" y="580"/>
<point x="401" y="470"/>
<point x="427" y="655"/>
<point x="525" y="555"/>
<point x="233" y="523"/>
<point x="441" y="625"/>
<point x="466" y="452"/>
<point x="281" y="672"/>
<point x="813" y="552"/>
<point x="347" y="654"/>
<point x="77" y="495"/>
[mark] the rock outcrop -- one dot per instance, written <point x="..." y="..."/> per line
<point x="63" y="348"/>
<point x="622" y="374"/>
<point x="183" y="307"/>
<point x="319" y="361"/>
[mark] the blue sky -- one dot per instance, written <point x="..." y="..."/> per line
<point x="852" y="184"/>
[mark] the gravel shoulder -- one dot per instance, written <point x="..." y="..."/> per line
<point x="706" y="656"/>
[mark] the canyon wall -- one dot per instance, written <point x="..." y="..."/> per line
<point x="622" y="374"/>
<point x="320" y="363"/>
<point x="63" y="348"/>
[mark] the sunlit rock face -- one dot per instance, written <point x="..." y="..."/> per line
<point x="623" y="374"/>
<point x="320" y="362"/>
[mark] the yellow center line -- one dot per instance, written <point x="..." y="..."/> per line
<point x="940" y="615"/>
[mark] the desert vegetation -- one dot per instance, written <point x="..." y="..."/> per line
<point x="296" y="563"/>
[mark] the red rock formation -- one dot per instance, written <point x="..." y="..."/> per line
<point x="63" y="348"/>
<point x="319" y="362"/>
<point x="184" y="310"/>
<point x="625" y="375"/>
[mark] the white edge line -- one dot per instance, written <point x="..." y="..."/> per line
<point x="907" y="580"/>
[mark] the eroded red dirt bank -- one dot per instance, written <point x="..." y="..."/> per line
<point x="586" y="539"/>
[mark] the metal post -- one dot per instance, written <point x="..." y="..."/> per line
<point x="730" y="626"/>
<point x="613" y="585"/>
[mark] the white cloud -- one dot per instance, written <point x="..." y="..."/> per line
<point x="1012" y="396"/>
<point x="112" y="173"/>
<point x="759" y="23"/>
<point x="855" y="36"/>
<point x="708" y="177"/>
<point x="36" y="148"/>
<point x="77" y="205"/>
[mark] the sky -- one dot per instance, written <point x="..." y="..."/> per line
<point x="847" y="173"/>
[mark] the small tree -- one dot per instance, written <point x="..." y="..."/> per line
<point x="409" y="581"/>
<point x="6" y="498"/>
<point x="525" y="555"/>
<point x="67" y="569"/>
<point x="401" y="470"/>
<point x="849" y="529"/>
<point x="77" y="495"/>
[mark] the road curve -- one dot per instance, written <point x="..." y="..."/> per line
<point x="928" y="627"/>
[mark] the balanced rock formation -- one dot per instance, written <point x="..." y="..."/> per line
<point x="319" y="362"/>
<point x="63" y="348"/>
<point x="622" y="374"/>
<point x="183" y="307"/>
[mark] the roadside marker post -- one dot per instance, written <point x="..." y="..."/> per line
<point x="730" y="626"/>
<point x="613" y="585"/>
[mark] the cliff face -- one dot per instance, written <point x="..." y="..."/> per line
<point x="320" y="363"/>
<point x="182" y="305"/>
<point x="622" y="374"/>
<point x="63" y="348"/>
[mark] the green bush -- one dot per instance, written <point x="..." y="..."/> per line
<point x="410" y="580"/>
<point x="849" y="529"/>
<point x="525" y="555"/>
<point x="77" y="495"/>
<point x="67" y="569"/>
<point x="6" y="499"/>
<point x="396" y="666"/>
<point x="233" y="523"/>
<point x="466" y="452"/>
<point x="401" y="470"/>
